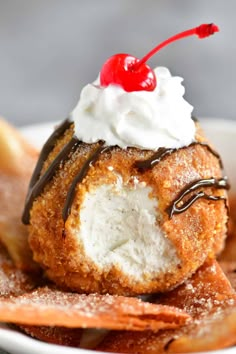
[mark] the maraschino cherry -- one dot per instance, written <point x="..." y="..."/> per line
<point x="133" y="74"/>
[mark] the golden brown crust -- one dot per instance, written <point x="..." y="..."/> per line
<point x="196" y="234"/>
<point x="13" y="281"/>
<point x="229" y="252"/>
<point x="17" y="160"/>
<point x="51" y="307"/>
<point x="56" y="335"/>
<point x="208" y="297"/>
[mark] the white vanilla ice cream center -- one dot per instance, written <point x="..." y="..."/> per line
<point x="119" y="227"/>
<point x="142" y="119"/>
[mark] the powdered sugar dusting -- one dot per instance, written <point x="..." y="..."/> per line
<point x="208" y="297"/>
<point x="51" y="307"/>
<point x="13" y="281"/>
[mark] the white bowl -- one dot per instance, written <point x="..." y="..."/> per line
<point x="222" y="133"/>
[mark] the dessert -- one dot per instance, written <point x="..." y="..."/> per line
<point x="229" y="252"/>
<point x="17" y="161"/>
<point x="13" y="281"/>
<point x="210" y="300"/>
<point x="128" y="196"/>
<point x="53" y="307"/>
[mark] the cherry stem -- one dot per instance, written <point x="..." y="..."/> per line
<point x="201" y="31"/>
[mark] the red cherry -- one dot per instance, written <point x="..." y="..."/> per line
<point x="118" y="70"/>
<point x="133" y="74"/>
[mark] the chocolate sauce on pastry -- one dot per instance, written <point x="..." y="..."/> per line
<point x="38" y="187"/>
<point x="144" y="165"/>
<point x="221" y="183"/>
<point x="47" y="148"/>
<point x="38" y="183"/>
<point x="161" y="153"/>
<point x="79" y="178"/>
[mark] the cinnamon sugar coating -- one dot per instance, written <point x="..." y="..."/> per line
<point x="196" y="234"/>
<point x="56" y="335"/>
<point x="17" y="161"/>
<point x="229" y="251"/>
<point x="13" y="281"/>
<point x="208" y="297"/>
<point x="51" y="307"/>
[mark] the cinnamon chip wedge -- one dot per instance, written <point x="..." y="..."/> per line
<point x="17" y="160"/>
<point x="70" y="337"/>
<point x="215" y="331"/>
<point x="209" y="298"/>
<point x="13" y="281"/>
<point x="229" y="252"/>
<point x="51" y="307"/>
<point x="230" y="270"/>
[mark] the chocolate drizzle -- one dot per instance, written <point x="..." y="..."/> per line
<point x="38" y="187"/>
<point x="47" y="148"/>
<point x="37" y="183"/>
<point x="221" y="183"/>
<point x="79" y="178"/>
<point x="161" y="153"/>
<point x="144" y="165"/>
<point x="210" y="149"/>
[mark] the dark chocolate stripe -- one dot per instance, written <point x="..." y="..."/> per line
<point x="144" y="165"/>
<point x="47" y="148"/>
<point x="161" y="153"/>
<point x="221" y="183"/>
<point x="79" y="178"/>
<point x="47" y="176"/>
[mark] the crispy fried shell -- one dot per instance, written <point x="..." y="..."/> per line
<point x="13" y="281"/>
<point x="194" y="234"/>
<point x="230" y="270"/>
<point x="229" y="252"/>
<point x="56" y="335"/>
<point x="51" y="307"/>
<point x="209" y="298"/>
<point x="17" y="160"/>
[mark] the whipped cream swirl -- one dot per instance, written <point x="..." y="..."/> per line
<point x="142" y="119"/>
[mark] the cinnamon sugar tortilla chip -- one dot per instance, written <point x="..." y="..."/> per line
<point x="229" y="252"/>
<point x="215" y="331"/>
<point x="232" y="204"/>
<point x="17" y="160"/>
<point x="13" y="281"/>
<point x="209" y="298"/>
<point x="51" y="307"/>
<point x="230" y="270"/>
<point x="70" y="337"/>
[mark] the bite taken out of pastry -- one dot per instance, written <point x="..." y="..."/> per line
<point x="128" y="196"/>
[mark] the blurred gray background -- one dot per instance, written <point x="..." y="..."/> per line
<point x="49" y="49"/>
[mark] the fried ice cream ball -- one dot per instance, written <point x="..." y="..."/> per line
<point x="119" y="236"/>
